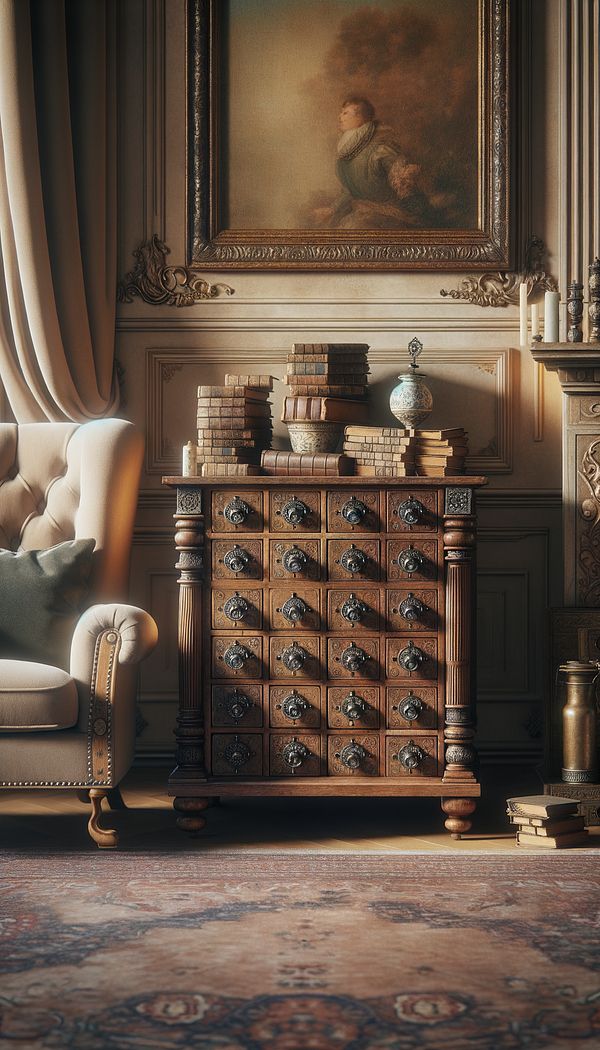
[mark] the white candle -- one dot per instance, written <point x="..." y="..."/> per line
<point x="535" y="320"/>
<point x="551" y="301"/>
<point x="189" y="465"/>
<point x="523" y="314"/>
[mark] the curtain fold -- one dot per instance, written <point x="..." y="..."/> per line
<point x="58" y="208"/>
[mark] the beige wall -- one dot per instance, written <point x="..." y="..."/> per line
<point x="479" y="376"/>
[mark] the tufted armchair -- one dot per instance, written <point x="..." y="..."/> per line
<point x="67" y="719"/>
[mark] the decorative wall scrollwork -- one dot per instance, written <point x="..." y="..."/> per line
<point x="589" y="537"/>
<point x="502" y="289"/>
<point x="162" y="285"/>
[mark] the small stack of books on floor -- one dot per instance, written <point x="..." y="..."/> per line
<point x="380" y="452"/>
<point x="327" y="383"/>
<point x="234" y="425"/>
<point x="547" y="821"/>
<point x="440" y="453"/>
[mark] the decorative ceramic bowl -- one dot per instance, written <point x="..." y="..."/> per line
<point x="307" y="435"/>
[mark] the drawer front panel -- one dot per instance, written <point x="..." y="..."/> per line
<point x="286" y="555"/>
<point x="245" y="652"/>
<point x="353" y="511"/>
<point x="295" y="510"/>
<point x="226" y="555"/>
<point x="297" y="755"/>
<point x="344" y="554"/>
<point x="292" y="705"/>
<point x="414" y="706"/>
<point x="421" y="553"/>
<point x="343" y="606"/>
<point x="422" y="651"/>
<point x="353" y="706"/>
<point x="353" y="755"/>
<point x="239" y="705"/>
<point x="404" y="505"/>
<point x="404" y="603"/>
<point x="295" y="657"/>
<point x="237" y="510"/>
<point x="236" y="754"/>
<point x="237" y="610"/>
<point x="297" y="610"/>
<point x="344" y="658"/>
<point x="411" y="756"/>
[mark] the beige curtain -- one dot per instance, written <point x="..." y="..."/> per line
<point x="57" y="208"/>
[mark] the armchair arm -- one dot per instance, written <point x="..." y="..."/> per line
<point x="137" y="630"/>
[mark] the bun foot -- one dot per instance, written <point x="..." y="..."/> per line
<point x="459" y="810"/>
<point x="190" y="808"/>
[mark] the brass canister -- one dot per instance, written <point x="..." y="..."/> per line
<point x="579" y="722"/>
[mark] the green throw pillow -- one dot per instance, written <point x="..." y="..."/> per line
<point x="42" y="594"/>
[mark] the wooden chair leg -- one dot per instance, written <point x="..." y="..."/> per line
<point x="115" y="798"/>
<point x="104" y="838"/>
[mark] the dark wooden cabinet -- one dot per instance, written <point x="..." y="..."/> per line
<point x="325" y="640"/>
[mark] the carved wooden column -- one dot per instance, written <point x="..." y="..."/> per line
<point x="459" y="732"/>
<point x="190" y="769"/>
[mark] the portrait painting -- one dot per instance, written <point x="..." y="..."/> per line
<point x="345" y="134"/>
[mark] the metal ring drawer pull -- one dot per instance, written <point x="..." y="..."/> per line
<point x="295" y="511"/>
<point x="353" y="609"/>
<point x="353" y="511"/>
<point x="410" y="707"/>
<point x="237" y="559"/>
<point x="237" y="754"/>
<point x="293" y="706"/>
<point x="294" y="560"/>
<point x="238" y="705"/>
<point x="411" y="657"/>
<point x="410" y="756"/>
<point x="352" y="755"/>
<point x="236" y="655"/>
<point x="411" y="560"/>
<point x="353" y="560"/>
<point x="411" y="511"/>
<point x="295" y="753"/>
<point x="294" y="609"/>
<point x="236" y="608"/>
<point x="353" y="658"/>
<point x="353" y="707"/>
<point x="293" y="656"/>
<point x="237" y="511"/>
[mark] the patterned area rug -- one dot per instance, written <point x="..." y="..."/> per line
<point x="240" y="951"/>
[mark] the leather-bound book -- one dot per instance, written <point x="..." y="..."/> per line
<point x="313" y="464"/>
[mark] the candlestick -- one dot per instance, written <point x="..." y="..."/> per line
<point x="551" y="301"/>
<point x="523" y="314"/>
<point x="575" y="312"/>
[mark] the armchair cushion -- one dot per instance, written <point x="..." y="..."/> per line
<point x="35" y="697"/>
<point x="42" y="594"/>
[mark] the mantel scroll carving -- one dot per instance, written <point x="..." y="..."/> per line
<point x="589" y="537"/>
<point x="502" y="288"/>
<point x="162" y="285"/>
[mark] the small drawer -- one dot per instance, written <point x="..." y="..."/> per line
<point x="295" y="510"/>
<point x="348" y="707"/>
<point x="353" y="755"/>
<point x="295" y="657"/>
<point x="407" y="756"/>
<point x="239" y="657"/>
<point x="347" y="560"/>
<point x="297" y="610"/>
<point x="411" y="706"/>
<point x="237" y="510"/>
<point x="299" y="560"/>
<point x="292" y="705"/>
<point x="410" y="560"/>
<point x="353" y="659"/>
<point x="295" y="755"/>
<point x="238" y="610"/>
<point x="414" y="611"/>
<point x="354" y="608"/>
<point x="408" y="657"/>
<point x="237" y="561"/>
<point x="353" y="511"/>
<point x="412" y="510"/>
<point x="237" y="754"/>
<point x="237" y="705"/>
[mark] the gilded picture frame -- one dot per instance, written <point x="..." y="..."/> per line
<point x="273" y="184"/>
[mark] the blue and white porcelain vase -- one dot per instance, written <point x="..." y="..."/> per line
<point x="411" y="401"/>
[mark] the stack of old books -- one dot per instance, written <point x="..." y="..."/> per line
<point x="234" y="425"/>
<point x="385" y="452"/>
<point x="547" y="821"/>
<point x="327" y="381"/>
<point x="440" y="453"/>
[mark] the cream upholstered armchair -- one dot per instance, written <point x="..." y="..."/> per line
<point x="69" y="647"/>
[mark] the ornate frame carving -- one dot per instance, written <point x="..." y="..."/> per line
<point x="213" y="247"/>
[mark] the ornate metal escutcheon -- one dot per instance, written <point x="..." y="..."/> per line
<point x="295" y="753"/>
<point x="235" y="656"/>
<point x="353" y="609"/>
<point x="353" y="560"/>
<point x="410" y="707"/>
<point x="293" y="656"/>
<point x="237" y="559"/>
<point x="236" y="511"/>
<point x="353" y="511"/>
<point x="353" y="658"/>
<point x="411" y="560"/>
<point x="410" y="756"/>
<point x="294" y="511"/>
<point x="294" y="560"/>
<point x="237" y="705"/>
<point x="411" y="608"/>
<point x="236" y="608"/>
<point x="236" y="754"/>
<point x="352" y="755"/>
<point x="294" y="609"/>
<point x="293" y="706"/>
<point x="353" y="707"/>
<point x="411" y="511"/>
<point x="411" y="657"/>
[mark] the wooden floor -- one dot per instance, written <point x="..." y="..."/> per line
<point x="56" y="820"/>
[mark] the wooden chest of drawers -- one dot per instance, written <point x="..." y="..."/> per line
<point x="325" y="634"/>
